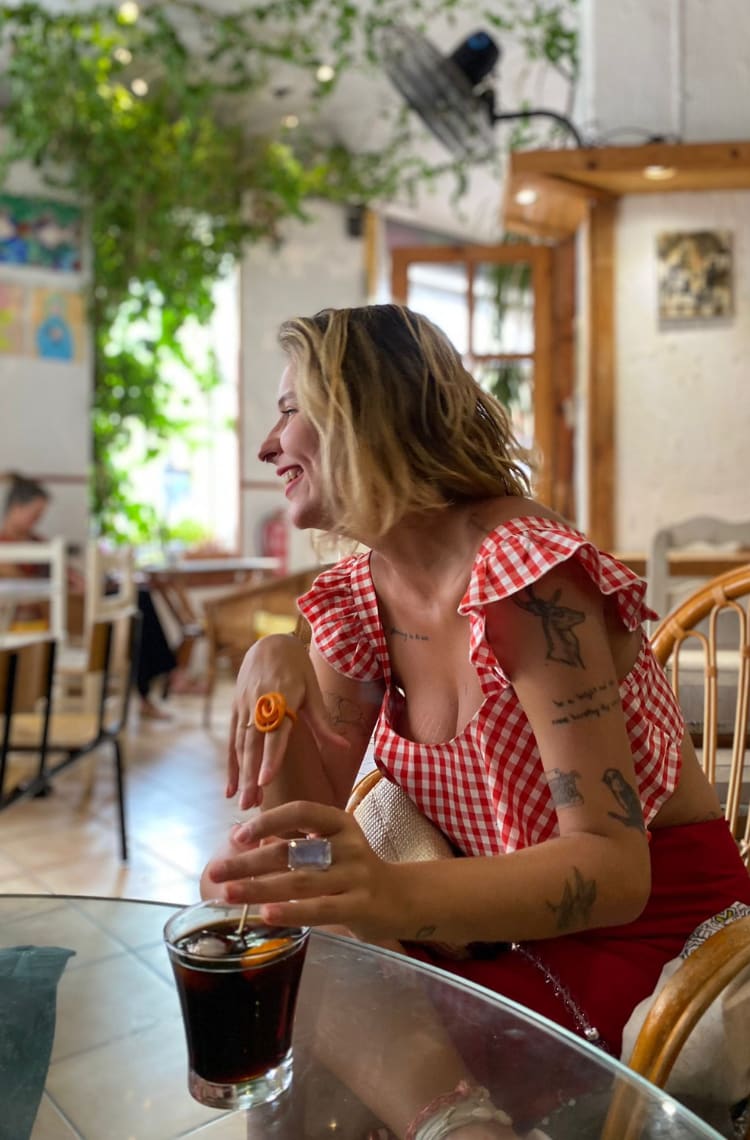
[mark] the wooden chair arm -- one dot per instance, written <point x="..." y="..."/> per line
<point x="686" y="997"/>
<point x="676" y="1010"/>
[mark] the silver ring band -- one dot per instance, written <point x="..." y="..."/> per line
<point x="309" y="854"/>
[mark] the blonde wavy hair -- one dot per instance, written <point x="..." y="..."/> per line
<point x="403" y="426"/>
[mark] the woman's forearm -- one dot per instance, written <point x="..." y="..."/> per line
<point x="307" y="775"/>
<point x="566" y="884"/>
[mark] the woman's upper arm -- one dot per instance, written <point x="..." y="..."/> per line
<point x="353" y="708"/>
<point x="551" y="640"/>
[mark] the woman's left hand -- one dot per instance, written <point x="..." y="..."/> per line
<point x="355" y="891"/>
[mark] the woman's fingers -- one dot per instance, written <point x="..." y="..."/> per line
<point x="300" y="817"/>
<point x="233" y="767"/>
<point x="250" y="746"/>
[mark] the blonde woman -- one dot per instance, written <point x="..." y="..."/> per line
<point x="499" y="658"/>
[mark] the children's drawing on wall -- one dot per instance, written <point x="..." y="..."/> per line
<point x="40" y="232"/>
<point x="57" y="322"/>
<point x="695" y="275"/>
<point x="12" y="319"/>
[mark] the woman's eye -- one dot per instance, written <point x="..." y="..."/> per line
<point x="288" y="412"/>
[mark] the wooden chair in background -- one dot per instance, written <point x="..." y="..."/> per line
<point x="47" y="592"/>
<point x="32" y="726"/>
<point x="26" y="674"/>
<point x="236" y="620"/>
<point x="189" y="624"/>
<point x="110" y="591"/>
<point x="701" y="533"/>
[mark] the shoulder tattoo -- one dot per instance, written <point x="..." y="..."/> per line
<point x="557" y="624"/>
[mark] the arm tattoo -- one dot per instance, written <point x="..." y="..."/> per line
<point x="425" y="932"/>
<point x="344" y="714"/>
<point x="563" y="788"/>
<point x="593" y="702"/>
<point x="557" y="623"/>
<point x="575" y="905"/>
<point x="627" y="798"/>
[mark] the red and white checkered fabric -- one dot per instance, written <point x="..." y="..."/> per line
<point x="486" y="788"/>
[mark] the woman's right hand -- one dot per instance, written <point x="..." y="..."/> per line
<point x="277" y="663"/>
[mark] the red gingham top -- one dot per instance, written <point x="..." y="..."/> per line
<point x="486" y="788"/>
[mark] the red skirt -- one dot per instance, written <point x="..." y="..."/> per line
<point x="596" y="978"/>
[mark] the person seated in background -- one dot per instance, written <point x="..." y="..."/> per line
<point x="26" y="502"/>
<point x="500" y="659"/>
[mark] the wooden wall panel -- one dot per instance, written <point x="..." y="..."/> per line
<point x="601" y="401"/>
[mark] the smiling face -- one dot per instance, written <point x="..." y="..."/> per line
<point x="293" y="447"/>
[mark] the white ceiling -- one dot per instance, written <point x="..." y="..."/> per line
<point x="360" y="109"/>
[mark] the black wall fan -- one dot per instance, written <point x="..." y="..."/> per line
<point x="453" y="94"/>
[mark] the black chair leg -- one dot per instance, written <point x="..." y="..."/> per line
<point x="120" y="777"/>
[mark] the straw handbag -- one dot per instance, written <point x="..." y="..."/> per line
<point x="397" y="831"/>
<point x="393" y="824"/>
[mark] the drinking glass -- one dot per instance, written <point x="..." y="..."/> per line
<point x="237" y="980"/>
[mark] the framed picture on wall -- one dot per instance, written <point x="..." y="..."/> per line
<point x="695" y="275"/>
<point x="41" y="233"/>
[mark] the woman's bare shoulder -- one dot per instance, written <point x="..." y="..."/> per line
<point x="488" y="514"/>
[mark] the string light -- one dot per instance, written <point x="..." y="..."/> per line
<point x="128" y="12"/>
<point x="658" y="173"/>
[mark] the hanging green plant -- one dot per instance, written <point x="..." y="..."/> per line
<point x="147" y="117"/>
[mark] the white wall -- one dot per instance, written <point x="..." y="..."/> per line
<point x="683" y="400"/>
<point x="665" y="67"/>
<point x="317" y="265"/>
<point x="677" y="67"/>
<point x="45" y="411"/>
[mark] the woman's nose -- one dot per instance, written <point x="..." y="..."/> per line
<point x="269" y="449"/>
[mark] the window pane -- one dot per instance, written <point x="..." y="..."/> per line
<point x="439" y="291"/>
<point x="503" y="308"/>
<point x="512" y="382"/>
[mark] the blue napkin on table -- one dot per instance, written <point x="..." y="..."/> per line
<point x="28" y="1001"/>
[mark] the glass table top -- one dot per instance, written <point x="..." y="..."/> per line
<point x="371" y="1027"/>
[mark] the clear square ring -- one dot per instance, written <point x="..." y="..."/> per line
<point x="312" y="853"/>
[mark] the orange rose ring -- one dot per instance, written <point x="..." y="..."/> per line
<point x="270" y="710"/>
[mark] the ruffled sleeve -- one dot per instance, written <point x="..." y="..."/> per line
<point x="517" y="553"/>
<point x="341" y="608"/>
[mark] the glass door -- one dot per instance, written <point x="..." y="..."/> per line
<point x="508" y="310"/>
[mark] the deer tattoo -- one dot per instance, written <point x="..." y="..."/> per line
<point x="557" y="623"/>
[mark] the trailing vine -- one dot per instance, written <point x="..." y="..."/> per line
<point x="148" y="118"/>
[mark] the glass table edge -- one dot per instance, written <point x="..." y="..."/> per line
<point x="588" y="1049"/>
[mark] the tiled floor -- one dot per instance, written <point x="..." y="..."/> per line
<point x="177" y="814"/>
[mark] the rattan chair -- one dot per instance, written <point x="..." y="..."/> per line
<point x="704" y="645"/>
<point x="722" y="959"/>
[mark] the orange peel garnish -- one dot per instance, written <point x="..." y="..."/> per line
<point x="270" y="710"/>
<point x="270" y="949"/>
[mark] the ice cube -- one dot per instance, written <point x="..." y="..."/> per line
<point x="208" y="946"/>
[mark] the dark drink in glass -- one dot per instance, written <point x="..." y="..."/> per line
<point x="238" y="992"/>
